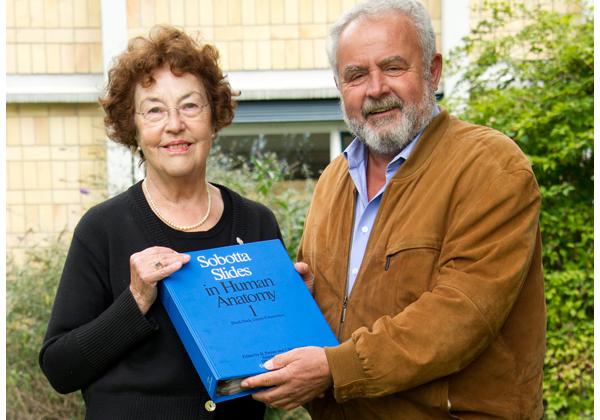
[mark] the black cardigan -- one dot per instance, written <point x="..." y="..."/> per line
<point x="127" y="365"/>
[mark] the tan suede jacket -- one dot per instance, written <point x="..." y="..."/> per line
<point x="447" y="315"/>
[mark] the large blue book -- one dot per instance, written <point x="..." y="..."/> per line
<point x="237" y="306"/>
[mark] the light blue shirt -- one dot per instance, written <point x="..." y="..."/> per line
<point x="365" y="210"/>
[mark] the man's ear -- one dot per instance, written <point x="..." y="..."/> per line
<point x="436" y="70"/>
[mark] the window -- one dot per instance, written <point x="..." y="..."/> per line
<point x="306" y="153"/>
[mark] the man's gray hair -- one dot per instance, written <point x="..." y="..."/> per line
<point x="412" y="9"/>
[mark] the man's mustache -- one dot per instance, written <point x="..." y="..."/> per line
<point x="379" y="105"/>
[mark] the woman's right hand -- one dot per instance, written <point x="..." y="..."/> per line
<point x="147" y="268"/>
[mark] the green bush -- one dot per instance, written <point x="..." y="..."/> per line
<point x="30" y="290"/>
<point x="265" y="179"/>
<point x="536" y="85"/>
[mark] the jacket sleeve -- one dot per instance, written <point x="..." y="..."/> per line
<point x="89" y="330"/>
<point x="483" y="263"/>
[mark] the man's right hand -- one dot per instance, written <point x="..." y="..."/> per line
<point x="304" y="270"/>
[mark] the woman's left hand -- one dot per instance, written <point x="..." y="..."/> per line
<point x="147" y="268"/>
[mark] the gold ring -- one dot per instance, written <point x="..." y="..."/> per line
<point x="158" y="265"/>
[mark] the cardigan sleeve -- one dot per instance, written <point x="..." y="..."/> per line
<point x="270" y="227"/>
<point x="89" y="330"/>
<point x="484" y="262"/>
<point x="256" y="221"/>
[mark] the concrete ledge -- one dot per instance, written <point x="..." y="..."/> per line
<point x="254" y="85"/>
<point x="283" y="84"/>
<point x="70" y="88"/>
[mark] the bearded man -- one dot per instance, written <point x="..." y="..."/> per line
<point x="424" y="243"/>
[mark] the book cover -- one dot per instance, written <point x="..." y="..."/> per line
<point x="236" y="307"/>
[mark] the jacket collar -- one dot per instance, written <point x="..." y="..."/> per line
<point x="425" y="147"/>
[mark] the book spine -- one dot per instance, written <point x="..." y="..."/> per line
<point x="193" y="346"/>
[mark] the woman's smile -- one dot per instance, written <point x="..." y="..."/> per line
<point x="177" y="147"/>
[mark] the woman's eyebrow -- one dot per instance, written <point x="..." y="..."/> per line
<point x="161" y="100"/>
<point x="151" y="99"/>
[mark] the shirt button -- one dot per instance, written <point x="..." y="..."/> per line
<point x="364" y="229"/>
<point x="354" y="270"/>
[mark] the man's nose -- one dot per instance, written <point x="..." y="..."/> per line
<point x="377" y="85"/>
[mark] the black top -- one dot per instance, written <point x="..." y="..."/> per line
<point x="127" y="365"/>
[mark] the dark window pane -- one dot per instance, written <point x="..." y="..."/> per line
<point x="306" y="154"/>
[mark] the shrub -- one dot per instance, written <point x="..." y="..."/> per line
<point x="536" y="85"/>
<point x="30" y="290"/>
<point x="265" y="179"/>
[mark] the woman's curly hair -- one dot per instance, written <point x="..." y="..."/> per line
<point x="170" y="46"/>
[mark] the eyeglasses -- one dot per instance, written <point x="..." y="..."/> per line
<point x="159" y="113"/>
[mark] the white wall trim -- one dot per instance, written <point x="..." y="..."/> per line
<point x="456" y="25"/>
<point x="33" y="88"/>
<point x="114" y="31"/>
<point x="335" y="144"/>
<point x="283" y="84"/>
<point x="86" y="88"/>
<point x="120" y="162"/>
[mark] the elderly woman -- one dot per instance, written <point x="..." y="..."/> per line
<point x="108" y="336"/>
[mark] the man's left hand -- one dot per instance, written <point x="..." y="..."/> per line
<point x="296" y="377"/>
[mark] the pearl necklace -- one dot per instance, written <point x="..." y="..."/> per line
<point x="154" y="208"/>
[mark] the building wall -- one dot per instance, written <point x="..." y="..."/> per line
<point x="56" y="152"/>
<point x="53" y="36"/>
<point x="64" y="36"/>
<point x="255" y="34"/>
<point x="55" y="162"/>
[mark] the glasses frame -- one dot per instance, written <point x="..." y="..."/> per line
<point x="164" y="119"/>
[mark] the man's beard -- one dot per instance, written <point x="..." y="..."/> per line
<point x="392" y="136"/>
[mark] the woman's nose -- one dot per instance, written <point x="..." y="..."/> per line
<point x="174" y="120"/>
